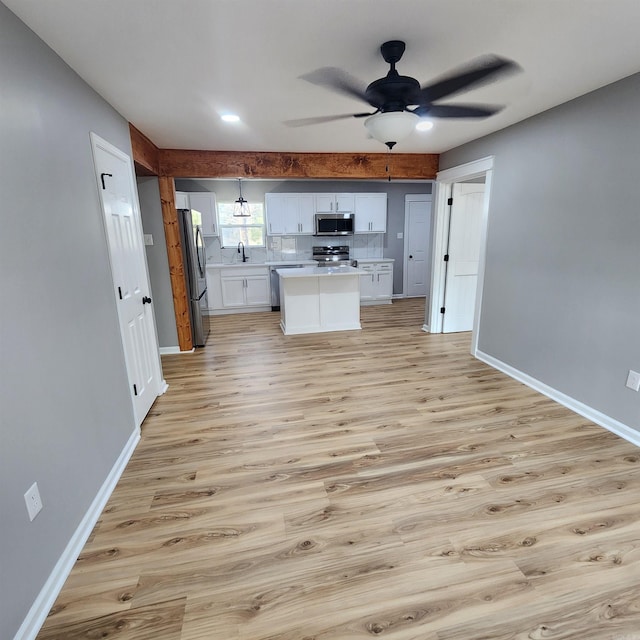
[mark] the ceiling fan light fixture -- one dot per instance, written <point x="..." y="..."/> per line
<point x="390" y="127"/>
<point x="241" y="206"/>
<point x="424" y="125"/>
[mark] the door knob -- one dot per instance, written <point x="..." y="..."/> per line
<point x="146" y="300"/>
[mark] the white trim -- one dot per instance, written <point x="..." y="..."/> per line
<point x="100" y="143"/>
<point x="164" y="387"/>
<point x="42" y="605"/>
<point x="168" y="351"/>
<point x="488" y="178"/>
<point x="610" y="424"/>
<point x="467" y="171"/>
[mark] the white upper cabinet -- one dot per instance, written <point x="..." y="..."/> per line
<point x="334" y="202"/>
<point x="204" y="205"/>
<point x="182" y="200"/>
<point x="370" y="212"/>
<point x="289" y="213"/>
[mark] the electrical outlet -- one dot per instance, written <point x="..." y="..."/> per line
<point x="33" y="501"/>
<point x="633" y="380"/>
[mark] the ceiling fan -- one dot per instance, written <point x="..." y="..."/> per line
<point x="399" y="102"/>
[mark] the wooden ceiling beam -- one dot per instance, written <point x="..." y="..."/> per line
<point x="146" y="156"/>
<point x="179" y="163"/>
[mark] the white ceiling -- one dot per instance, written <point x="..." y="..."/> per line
<point x="172" y="67"/>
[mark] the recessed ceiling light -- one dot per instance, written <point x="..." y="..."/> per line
<point x="424" y="125"/>
<point x="230" y="117"/>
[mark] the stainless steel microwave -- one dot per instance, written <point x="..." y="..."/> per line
<point x="334" y="224"/>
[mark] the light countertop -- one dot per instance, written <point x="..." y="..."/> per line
<point x="307" y="272"/>
<point x="279" y="263"/>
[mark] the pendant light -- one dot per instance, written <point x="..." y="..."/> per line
<point x="241" y="206"/>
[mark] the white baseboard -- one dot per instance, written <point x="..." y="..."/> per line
<point x="168" y="351"/>
<point x="52" y="587"/>
<point x="164" y="387"/>
<point x="610" y="424"/>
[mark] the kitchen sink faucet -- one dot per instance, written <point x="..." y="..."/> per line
<point x="244" y="257"/>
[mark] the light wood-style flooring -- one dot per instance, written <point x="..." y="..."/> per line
<point x="372" y="484"/>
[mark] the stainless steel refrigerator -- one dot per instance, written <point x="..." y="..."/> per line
<point x="195" y="261"/>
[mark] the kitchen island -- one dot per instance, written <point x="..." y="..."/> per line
<point x="319" y="299"/>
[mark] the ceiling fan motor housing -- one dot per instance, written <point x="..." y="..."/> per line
<point x="393" y="92"/>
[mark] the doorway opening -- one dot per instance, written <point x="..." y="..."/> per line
<point x="471" y="296"/>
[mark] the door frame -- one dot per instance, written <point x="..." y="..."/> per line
<point x="413" y="197"/>
<point x="444" y="180"/>
<point x="98" y="142"/>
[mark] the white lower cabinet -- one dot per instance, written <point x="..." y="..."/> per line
<point x="239" y="288"/>
<point x="376" y="286"/>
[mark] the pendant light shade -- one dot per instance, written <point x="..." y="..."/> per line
<point x="391" y="126"/>
<point x="241" y="206"/>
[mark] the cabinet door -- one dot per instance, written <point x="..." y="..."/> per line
<point x="371" y="213"/>
<point x="275" y="207"/>
<point x="213" y="289"/>
<point x="204" y="205"/>
<point x="290" y="214"/>
<point x="367" y="282"/>
<point x="182" y="200"/>
<point x="345" y="202"/>
<point x="306" y="211"/>
<point x="384" y="284"/>
<point x="257" y="291"/>
<point x="325" y="202"/>
<point x="233" y="291"/>
<point x="284" y="214"/>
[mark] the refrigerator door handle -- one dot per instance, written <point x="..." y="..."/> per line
<point x="200" y="248"/>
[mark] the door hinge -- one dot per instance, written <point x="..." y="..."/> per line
<point x="441" y="309"/>
<point x="446" y="257"/>
<point x="120" y="292"/>
<point x="450" y="201"/>
<point x="135" y="390"/>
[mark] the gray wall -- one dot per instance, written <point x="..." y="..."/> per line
<point x="65" y="411"/>
<point x="562" y="283"/>
<point x="158" y="262"/>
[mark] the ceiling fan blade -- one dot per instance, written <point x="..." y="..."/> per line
<point x="457" y="110"/>
<point x="339" y="81"/>
<point x="477" y="72"/>
<point x="304" y="122"/>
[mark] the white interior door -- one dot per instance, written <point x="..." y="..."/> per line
<point x="114" y="172"/>
<point x="417" y="245"/>
<point x="465" y="233"/>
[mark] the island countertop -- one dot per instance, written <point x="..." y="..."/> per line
<point x="306" y="272"/>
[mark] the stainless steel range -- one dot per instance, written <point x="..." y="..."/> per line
<point x="332" y="256"/>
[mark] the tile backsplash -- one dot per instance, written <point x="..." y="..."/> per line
<point x="287" y="248"/>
